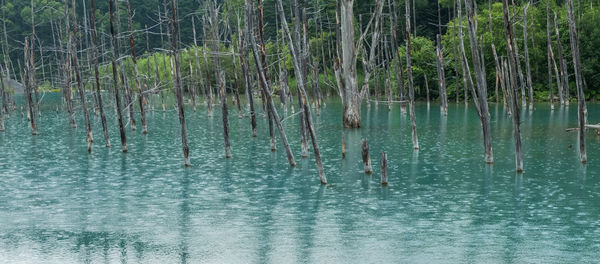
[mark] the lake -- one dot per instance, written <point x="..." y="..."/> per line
<point x="443" y="204"/>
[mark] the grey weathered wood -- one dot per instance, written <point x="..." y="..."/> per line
<point x="28" y="86"/>
<point x="266" y="87"/>
<point x="115" y="55"/>
<point x="550" y="55"/>
<point x="441" y="74"/>
<point x="563" y="86"/>
<point x="526" y="51"/>
<point x="97" y="74"/>
<point x="512" y="86"/>
<point x="411" y="89"/>
<point x="128" y="95"/>
<point x="578" y="79"/>
<point x="82" y="95"/>
<point x="384" y="168"/>
<point x="177" y="84"/>
<point x="302" y="91"/>
<point x="138" y="83"/>
<point x="351" y="100"/>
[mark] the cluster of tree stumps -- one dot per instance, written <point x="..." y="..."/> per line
<point x="246" y="49"/>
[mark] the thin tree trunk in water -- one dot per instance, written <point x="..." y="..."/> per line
<point x="479" y="95"/>
<point x="563" y="87"/>
<point x="138" y="83"/>
<point x="265" y="86"/>
<point x="411" y="88"/>
<point x="265" y="70"/>
<point x="370" y="64"/>
<point x="88" y="125"/>
<point x="34" y="84"/>
<point x="365" y="157"/>
<point x="512" y="86"/>
<point x="97" y="73"/>
<point x="526" y="50"/>
<point x="244" y="39"/>
<point x="115" y="55"/>
<point x="441" y="75"/>
<point x="426" y="89"/>
<point x="550" y="56"/>
<point x="578" y="79"/>
<point x="177" y="84"/>
<point x="28" y="88"/>
<point x="197" y="59"/>
<point x="302" y="91"/>
<point x="213" y="21"/>
<point x="3" y="97"/>
<point x="128" y="90"/>
<point x="66" y="57"/>
<point x="499" y="76"/>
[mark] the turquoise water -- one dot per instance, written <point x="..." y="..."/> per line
<point x="59" y="204"/>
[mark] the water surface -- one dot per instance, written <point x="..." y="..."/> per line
<point x="59" y="204"/>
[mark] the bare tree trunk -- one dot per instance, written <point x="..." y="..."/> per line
<point x="97" y="73"/>
<point x="526" y="50"/>
<point x="4" y="98"/>
<point x="302" y="91"/>
<point x="441" y="75"/>
<point x="366" y="157"/>
<point x="128" y="90"/>
<point x="88" y="125"/>
<point x="266" y="87"/>
<point x="411" y="88"/>
<point x="28" y="86"/>
<point x="138" y="83"/>
<point x="115" y="56"/>
<point x="177" y="84"/>
<point x="499" y="76"/>
<point x="563" y="87"/>
<point x="32" y="75"/>
<point x="426" y="89"/>
<point x="550" y="56"/>
<point x="513" y="86"/>
<point x="384" y="168"/>
<point x="350" y="96"/>
<point x="244" y="39"/>
<point x="578" y="79"/>
<point x="370" y="63"/>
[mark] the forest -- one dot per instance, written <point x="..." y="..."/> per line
<point x="296" y="131"/>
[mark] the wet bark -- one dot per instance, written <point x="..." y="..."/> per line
<point x="384" y="168"/>
<point x="138" y="82"/>
<point x="578" y="79"/>
<point x="115" y="55"/>
<point x="365" y="156"/>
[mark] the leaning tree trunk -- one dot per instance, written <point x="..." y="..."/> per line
<point x="86" y="116"/>
<point x="115" y="55"/>
<point x="177" y="85"/>
<point x="266" y="87"/>
<point x="302" y="90"/>
<point x="411" y="89"/>
<point x="513" y="86"/>
<point x="578" y="79"/>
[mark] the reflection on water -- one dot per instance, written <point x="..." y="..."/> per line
<point x="443" y="204"/>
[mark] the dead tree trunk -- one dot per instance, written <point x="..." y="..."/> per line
<point x="124" y="81"/>
<point x="265" y="69"/>
<point x="28" y="86"/>
<point x="197" y="59"/>
<point x="366" y="157"/>
<point x="563" y="87"/>
<point x="526" y="50"/>
<point x="97" y="73"/>
<point x="384" y="168"/>
<point x="213" y="21"/>
<point x="578" y="79"/>
<point x="138" y="83"/>
<point x="115" y="56"/>
<point x="550" y="56"/>
<point x="370" y="63"/>
<point x="350" y="96"/>
<point x="265" y="86"/>
<point x="3" y="97"/>
<point x="477" y="99"/>
<point x="177" y="84"/>
<point x="513" y="86"/>
<point x="86" y="116"/>
<point x="411" y="89"/>
<point x="244" y="36"/>
<point x="441" y="75"/>
<point x="302" y="91"/>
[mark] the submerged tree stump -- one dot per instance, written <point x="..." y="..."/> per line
<point x="365" y="156"/>
<point x="384" y="169"/>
